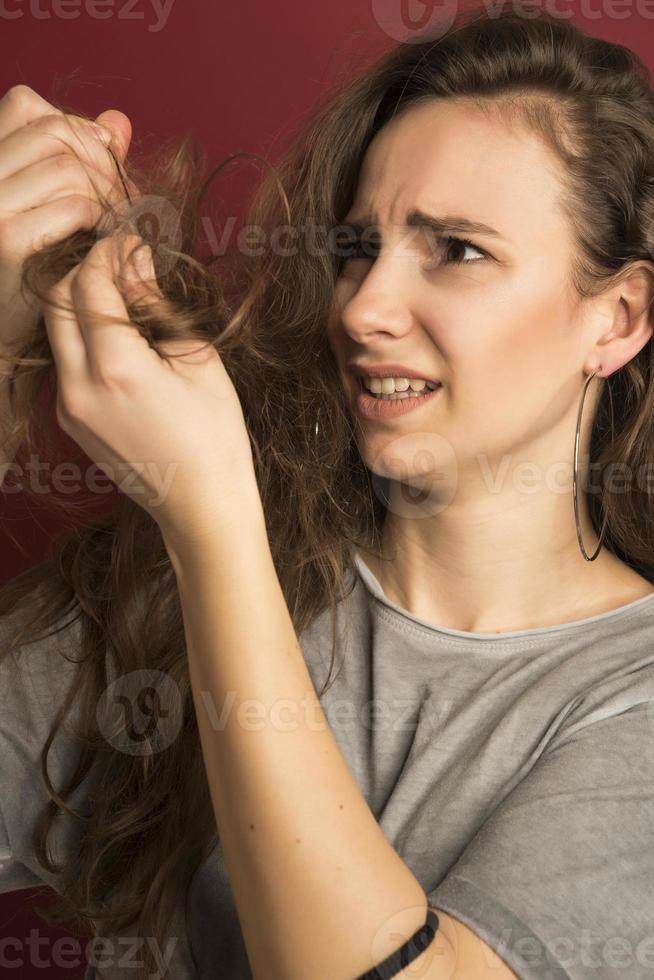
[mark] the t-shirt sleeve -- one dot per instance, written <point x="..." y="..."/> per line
<point x="559" y="879"/>
<point x="34" y="680"/>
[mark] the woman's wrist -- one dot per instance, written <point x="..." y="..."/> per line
<point x="202" y="538"/>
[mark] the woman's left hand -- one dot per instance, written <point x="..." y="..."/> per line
<point x="174" y="432"/>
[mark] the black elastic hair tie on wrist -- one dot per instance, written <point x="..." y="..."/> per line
<point x="412" y="948"/>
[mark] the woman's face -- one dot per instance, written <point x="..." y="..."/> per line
<point x="497" y="323"/>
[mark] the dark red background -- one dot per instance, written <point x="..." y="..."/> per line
<point x="242" y="76"/>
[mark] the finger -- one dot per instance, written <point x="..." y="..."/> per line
<point x="139" y="278"/>
<point x="19" y="106"/>
<point x="52" y="178"/>
<point x="50" y="136"/>
<point x="66" y="342"/>
<point x="35" y="229"/>
<point x="121" y="129"/>
<point x="141" y="284"/>
<point x="112" y="341"/>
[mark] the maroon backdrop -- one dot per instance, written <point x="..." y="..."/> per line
<point x="241" y="76"/>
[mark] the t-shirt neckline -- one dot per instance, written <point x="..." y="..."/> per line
<point x="374" y="586"/>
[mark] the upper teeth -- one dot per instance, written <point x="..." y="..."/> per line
<point x="386" y="386"/>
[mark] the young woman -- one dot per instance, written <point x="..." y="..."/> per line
<point x="380" y="449"/>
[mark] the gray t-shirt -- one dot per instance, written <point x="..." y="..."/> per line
<point x="513" y="773"/>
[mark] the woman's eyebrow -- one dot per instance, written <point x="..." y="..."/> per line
<point x="442" y="224"/>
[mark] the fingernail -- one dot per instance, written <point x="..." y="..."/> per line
<point x="105" y="134"/>
<point x="143" y="262"/>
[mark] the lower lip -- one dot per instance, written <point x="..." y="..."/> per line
<point x="379" y="409"/>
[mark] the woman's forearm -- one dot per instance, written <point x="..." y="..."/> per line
<point x="319" y="890"/>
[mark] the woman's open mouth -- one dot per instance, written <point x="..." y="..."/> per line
<point x="376" y="408"/>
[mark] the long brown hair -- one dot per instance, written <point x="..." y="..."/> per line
<point x="592" y="102"/>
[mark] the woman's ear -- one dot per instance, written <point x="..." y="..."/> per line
<point x="631" y="317"/>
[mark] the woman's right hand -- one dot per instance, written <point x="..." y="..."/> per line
<point x="49" y="164"/>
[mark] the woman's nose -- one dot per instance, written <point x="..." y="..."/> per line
<point x="381" y="304"/>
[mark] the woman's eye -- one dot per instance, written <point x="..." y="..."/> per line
<point x="358" y="248"/>
<point x="460" y="245"/>
<point x="446" y="245"/>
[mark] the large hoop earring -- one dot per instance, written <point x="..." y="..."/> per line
<point x="575" y="477"/>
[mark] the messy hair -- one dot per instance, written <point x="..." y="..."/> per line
<point x="591" y="102"/>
